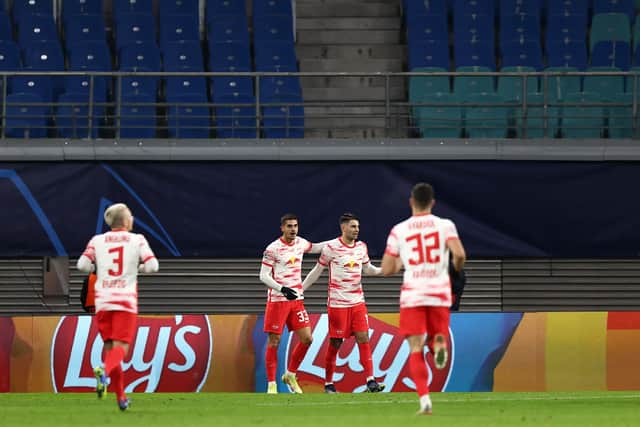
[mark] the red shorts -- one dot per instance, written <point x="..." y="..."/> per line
<point x="117" y="325"/>
<point x="344" y="321"/>
<point x="421" y="320"/>
<point x="291" y="313"/>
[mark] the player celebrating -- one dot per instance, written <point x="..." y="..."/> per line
<point x="347" y="259"/>
<point x="423" y="243"/>
<point x="117" y="255"/>
<point x="281" y="271"/>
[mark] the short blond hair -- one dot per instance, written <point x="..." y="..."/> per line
<point x="115" y="215"/>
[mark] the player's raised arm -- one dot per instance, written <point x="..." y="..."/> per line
<point x="316" y="248"/>
<point x="87" y="259"/>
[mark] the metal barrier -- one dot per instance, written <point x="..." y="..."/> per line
<point x="408" y="106"/>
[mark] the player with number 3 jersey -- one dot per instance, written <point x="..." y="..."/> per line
<point x="422" y="245"/>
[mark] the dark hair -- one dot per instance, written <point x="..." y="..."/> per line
<point x="422" y="194"/>
<point x="348" y="216"/>
<point x="287" y="217"/>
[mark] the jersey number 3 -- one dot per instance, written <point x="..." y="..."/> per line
<point x="117" y="261"/>
<point x="424" y="246"/>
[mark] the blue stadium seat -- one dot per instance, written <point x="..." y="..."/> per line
<point x="82" y="84"/>
<point x="567" y="54"/>
<point x="273" y="28"/>
<point x="283" y="116"/>
<point x="188" y="116"/>
<point x="178" y="7"/>
<point x="571" y="26"/>
<point x="36" y="29"/>
<point x="431" y="53"/>
<point x="228" y="29"/>
<point x="229" y="57"/>
<point x="517" y="7"/>
<point x="137" y="84"/>
<point x="90" y="55"/>
<point x="137" y="116"/>
<point x="440" y="120"/>
<point x="72" y="117"/>
<point x="603" y="86"/>
<point x="6" y="29"/>
<point x="125" y="7"/>
<point x="272" y="87"/>
<point x="217" y="8"/>
<point x="43" y="56"/>
<point x="427" y="27"/>
<point x="615" y="6"/>
<point x="176" y="28"/>
<point x="473" y="27"/>
<point x="611" y="54"/>
<point x="581" y="120"/>
<point x="271" y="7"/>
<point x="135" y="28"/>
<point x="475" y="54"/>
<point x="472" y="84"/>
<point x="474" y="6"/>
<point x="574" y="7"/>
<point x="28" y="8"/>
<point x="421" y="7"/>
<point x="183" y="85"/>
<point x="72" y="8"/>
<point x="140" y="55"/>
<point x="231" y="85"/>
<point x="559" y="86"/>
<point x="9" y="56"/>
<point x="519" y="27"/>
<point x="177" y="56"/>
<point x="40" y="86"/>
<point x="484" y="119"/>
<point x="276" y="56"/>
<point x="236" y="116"/>
<point x="84" y="28"/>
<point x="528" y="54"/>
<point x="23" y="120"/>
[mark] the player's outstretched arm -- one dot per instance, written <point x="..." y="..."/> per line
<point x="458" y="253"/>
<point x="371" y="270"/>
<point x="316" y="248"/>
<point x="313" y="276"/>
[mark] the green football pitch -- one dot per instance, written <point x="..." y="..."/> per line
<point x="349" y="410"/>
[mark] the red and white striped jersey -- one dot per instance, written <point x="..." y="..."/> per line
<point x="345" y="272"/>
<point x="117" y="255"/>
<point x="420" y="242"/>
<point x="285" y="260"/>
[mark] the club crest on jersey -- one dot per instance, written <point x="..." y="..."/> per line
<point x="351" y="264"/>
<point x="293" y="259"/>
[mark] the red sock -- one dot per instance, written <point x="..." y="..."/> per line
<point x="117" y="381"/>
<point x="271" y="362"/>
<point x="365" y="358"/>
<point x="419" y="374"/>
<point x="297" y="356"/>
<point x="330" y="363"/>
<point x="114" y="357"/>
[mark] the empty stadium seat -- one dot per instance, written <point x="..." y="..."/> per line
<point x="140" y="55"/>
<point x="81" y="85"/>
<point x="484" y="119"/>
<point x="283" y="116"/>
<point x="71" y="9"/>
<point x="620" y="117"/>
<point x="581" y="120"/>
<point x="272" y="87"/>
<point x="175" y="28"/>
<point x="605" y="85"/>
<point x="137" y="84"/>
<point x="178" y="7"/>
<point x="9" y="56"/>
<point x="574" y="7"/>
<point x="90" y="55"/>
<point x="72" y="117"/>
<point x="611" y="54"/>
<point x="28" y="8"/>
<point x="571" y="54"/>
<point x="231" y="85"/>
<point x="125" y="7"/>
<point x="519" y="28"/>
<point x="135" y="28"/>
<point x="472" y="84"/>
<point x="23" y="120"/>
<point x="226" y="29"/>
<point x="273" y="28"/>
<point x="527" y="54"/>
<point x="276" y="56"/>
<point x="615" y="6"/>
<point x="559" y="85"/>
<point x="44" y="56"/>
<point x="188" y="116"/>
<point x="36" y="29"/>
<point x="40" y="86"/>
<point x="430" y="53"/>
<point x="180" y="55"/>
<point x="421" y="87"/>
<point x="475" y="54"/>
<point x="84" y="28"/>
<point x="521" y="7"/>
<point x="137" y="115"/>
<point x="186" y="85"/>
<point x="510" y="87"/>
<point x="609" y="27"/>
<point x="218" y="8"/>
<point x="531" y="125"/>
<point x="229" y="57"/>
<point x="271" y="7"/>
<point x="414" y="8"/>
<point x="473" y="27"/>
<point x="427" y="28"/>
<point x="235" y="117"/>
<point x="6" y="29"/>
<point x="567" y="26"/>
<point x="475" y="6"/>
<point x="440" y="120"/>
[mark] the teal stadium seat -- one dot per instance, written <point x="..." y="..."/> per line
<point x="442" y="120"/>
<point x="484" y="119"/>
<point x="582" y="120"/>
<point x="604" y="86"/>
<point x="420" y="86"/>
<point x="535" y="118"/>
<point x="464" y="85"/>
<point x="510" y="88"/>
<point x="620" y="118"/>
<point x="609" y="27"/>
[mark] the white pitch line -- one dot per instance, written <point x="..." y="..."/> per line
<point x="473" y="400"/>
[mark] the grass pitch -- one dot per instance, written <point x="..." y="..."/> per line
<point x="386" y="409"/>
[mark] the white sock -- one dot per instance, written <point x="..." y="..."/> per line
<point x="425" y="401"/>
<point x="290" y="373"/>
<point x="369" y="379"/>
<point x="271" y="383"/>
<point x="328" y="383"/>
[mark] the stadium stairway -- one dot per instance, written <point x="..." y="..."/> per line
<point x="349" y="36"/>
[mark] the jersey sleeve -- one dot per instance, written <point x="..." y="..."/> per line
<point x="326" y="256"/>
<point x="146" y="254"/>
<point x="269" y="257"/>
<point x="90" y="250"/>
<point x="393" y="244"/>
<point x="449" y="230"/>
<point x="365" y="259"/>
<point x="307" y="245"/>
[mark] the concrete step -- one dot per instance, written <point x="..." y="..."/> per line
<point x="315" y="37"/>
<point x="352" y="94"/>
<point x="346" y="8"/>
<point x="380" y="51"/>
<point x="332" y="23"/>
<point x="338" y="65"/>
<point x="351" y="82"/>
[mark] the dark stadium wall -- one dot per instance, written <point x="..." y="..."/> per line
<point x="232" y="209"/>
